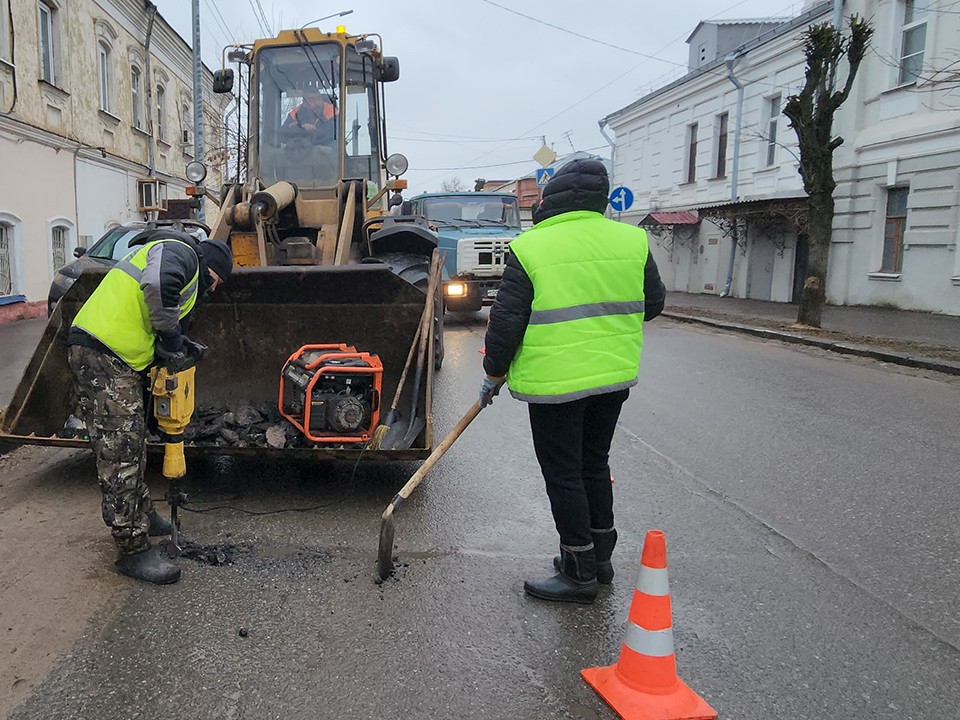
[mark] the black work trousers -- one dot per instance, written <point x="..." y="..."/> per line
<point x="572" y="442"/>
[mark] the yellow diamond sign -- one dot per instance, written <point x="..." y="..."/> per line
<point x="545" y="156"/>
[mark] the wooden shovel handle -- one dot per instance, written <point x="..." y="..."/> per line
<point x="438" y="452"/>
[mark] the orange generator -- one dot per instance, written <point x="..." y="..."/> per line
<point x="331" y="393"/>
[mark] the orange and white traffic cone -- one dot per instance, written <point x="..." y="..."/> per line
<point x="644" y="683"/>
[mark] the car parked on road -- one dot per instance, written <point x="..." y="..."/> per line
<point x="106" y="251"/>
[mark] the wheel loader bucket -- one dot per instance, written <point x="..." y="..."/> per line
<point x="251" y="324"/>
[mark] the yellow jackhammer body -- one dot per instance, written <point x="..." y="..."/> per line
<point x="173" y="405"/>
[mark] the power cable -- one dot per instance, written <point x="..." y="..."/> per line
<point x="266" y="22"/>
<point x="257" y="17"/>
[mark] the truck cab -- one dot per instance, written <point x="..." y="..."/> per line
<point x="474" y="231"/>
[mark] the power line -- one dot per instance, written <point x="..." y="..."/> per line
<point x="503" y="164"/>
<point x="266" y="22"/>
<point x="579" y="35"/>
<point x="218" y="17"/>
<point x="263" y="29"/>
<point x="458" y="142"/>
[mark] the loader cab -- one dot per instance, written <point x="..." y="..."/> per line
<point x="315" y="113"/>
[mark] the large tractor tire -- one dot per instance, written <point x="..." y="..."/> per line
<point x="415" y="269"/>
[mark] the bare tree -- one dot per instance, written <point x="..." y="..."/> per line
<point x="811" y="113"/>
<point x="454" y="184"/>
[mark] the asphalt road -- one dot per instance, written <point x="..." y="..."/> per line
<point x="809" y="504"/>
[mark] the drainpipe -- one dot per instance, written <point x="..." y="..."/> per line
<point x="837" y="13"/>
<point x="731" y="62"/>
<point x="613" y="151"/>
<point x="148" y="81"/>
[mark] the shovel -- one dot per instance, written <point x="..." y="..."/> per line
<point x="387" y="525"/>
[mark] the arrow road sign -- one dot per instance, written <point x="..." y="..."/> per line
<point x="621" y="199"/>
<point x="544" y="175"/>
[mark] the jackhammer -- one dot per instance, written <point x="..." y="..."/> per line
<point x="173" y="404"/>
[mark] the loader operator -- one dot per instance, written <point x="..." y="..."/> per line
<point x="566" y="330"/>
<point x="134" y="319"/>
<point x="315" y="118"/>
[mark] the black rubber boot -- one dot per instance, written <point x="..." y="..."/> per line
<point x="149" y="566"/>
<point x="159" y="525"/>
<point x="576" y="581"/>
<point x="603" y="543"/>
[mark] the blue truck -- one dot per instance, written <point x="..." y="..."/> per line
<point x="474" y="231"/>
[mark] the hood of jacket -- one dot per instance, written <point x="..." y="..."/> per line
<point x="578" y="185"/>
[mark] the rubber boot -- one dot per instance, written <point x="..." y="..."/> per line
<point x="159" y="525"/>
<point x="149" y="566"/>
<point x="603" y="543"/>
<point x="576" y="581"/>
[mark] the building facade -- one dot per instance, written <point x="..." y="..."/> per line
<point x="896" y="228"/>
<point x="83" y="117"/>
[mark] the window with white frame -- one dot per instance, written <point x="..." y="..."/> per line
<point x="691" y="169"/>
<point x="7" y="264"/>
<point x="103" y="55"/>
<point x="59" y="246"/>
<point x="720" y="167"/>
<point x="161" y="111"/>
<point x="6" y="44"/>
<point x="773" y="121"/>
<point x="49" y="52"/>
<point x="913" y="41"/>
<point x="136" y="97"/>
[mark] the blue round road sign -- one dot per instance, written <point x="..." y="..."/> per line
<point x="621" y="198"/>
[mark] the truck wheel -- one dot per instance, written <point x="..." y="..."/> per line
<point x="415" y="269"/>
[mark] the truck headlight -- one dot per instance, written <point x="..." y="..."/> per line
<point x="455" y="289"/>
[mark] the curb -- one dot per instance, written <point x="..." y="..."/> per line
<point x="888" y="356"/>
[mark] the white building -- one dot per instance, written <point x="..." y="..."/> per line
<point x="79" y="123"/>
<point x="896" y="229"/>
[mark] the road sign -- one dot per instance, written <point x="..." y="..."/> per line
<point x="621" y="199"/>
<point x="545" y="155"/>
<point x="544" y="175"/>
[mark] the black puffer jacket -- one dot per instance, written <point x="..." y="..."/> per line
<point x="579" y="185"/>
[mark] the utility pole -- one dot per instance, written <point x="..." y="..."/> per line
<point x="567" y="135"/>
<point x="198" y="150"/>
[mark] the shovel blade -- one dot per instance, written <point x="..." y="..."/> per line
<point x="385" y="550"/>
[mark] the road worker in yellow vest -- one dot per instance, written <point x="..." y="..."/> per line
<point x="566" y="331"/>
<point x="133" y="320"/>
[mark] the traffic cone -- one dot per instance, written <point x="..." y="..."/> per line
<point x="643" y="685"/>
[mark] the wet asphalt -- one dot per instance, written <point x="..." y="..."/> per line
<point x="814" y="560"/>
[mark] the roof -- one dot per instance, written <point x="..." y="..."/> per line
<point x="670" y="218"/>
<point x="743" y="21"/>
<point x="800" y="21"/>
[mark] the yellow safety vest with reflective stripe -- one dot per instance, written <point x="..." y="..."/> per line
<point x="586" y="323"/>
<point x="117" y="315"/>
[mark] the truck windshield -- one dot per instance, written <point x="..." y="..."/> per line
<point x="480" y="210"/>
<point x="299" y="114"/>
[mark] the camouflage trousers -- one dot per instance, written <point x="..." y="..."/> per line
<point x="111" y="404"/>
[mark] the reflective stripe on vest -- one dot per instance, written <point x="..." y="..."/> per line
<point x="117" y="315"/>
<point x="585" y="332"/>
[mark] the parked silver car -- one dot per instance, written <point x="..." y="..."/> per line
<point x="106" y="251"/>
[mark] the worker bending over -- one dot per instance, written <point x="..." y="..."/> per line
<point x="131" y="321"/>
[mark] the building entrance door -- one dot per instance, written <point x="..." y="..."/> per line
<point x="760" y="269"/>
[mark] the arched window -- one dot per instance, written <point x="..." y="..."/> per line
<point x="161" y="112"/>
<point x="136" y="96"/>
<point x="61" y="243"/>
<point x="9" y="255"/>
<point x="103" y="53"/>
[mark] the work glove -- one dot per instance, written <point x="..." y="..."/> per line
<point x="489" y="389"/>
<point x="173" y="360"/>
<point x="194" y="350"/>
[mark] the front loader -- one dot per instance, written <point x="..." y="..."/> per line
<point x="321" y="263"/>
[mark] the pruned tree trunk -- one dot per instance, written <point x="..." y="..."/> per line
<point x="819" y="231"/>
<point x="811" y="113"/>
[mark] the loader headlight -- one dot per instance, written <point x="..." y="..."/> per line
<point x="455" y="290"/>
<point x="196" y="171"/>
<point x="397" y="164"/>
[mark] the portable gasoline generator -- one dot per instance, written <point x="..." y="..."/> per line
<point x="331" y="393"/>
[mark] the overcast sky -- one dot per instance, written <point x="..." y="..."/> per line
<point x="479" y="84"/>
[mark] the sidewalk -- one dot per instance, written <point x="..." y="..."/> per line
<point x="905" y="337"/>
